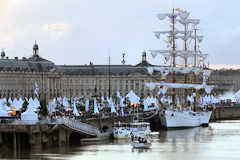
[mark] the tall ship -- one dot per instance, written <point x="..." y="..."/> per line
<point x="183" y="73"/>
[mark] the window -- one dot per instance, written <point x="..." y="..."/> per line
<point x="76" y="81"/>
<point x="131" y="87"/>
<point x="126" y="88"/>
<point x="70" y="81"/>
<point x="137" y="86"/>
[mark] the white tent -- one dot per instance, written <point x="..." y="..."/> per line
<point x="50" y="108"/>
<point x="145" y="104"/>
<point x="154" y="101"/>
<point x="65" y="101"/>
<point x="121" y="102"/>
<point x="20" y="102"/>
<point x="2" y="112"/>
<point x="30" y="100"/>
<point x="96" y="111"/>
<point x="237" y="95"/>
<point x="16" y="104"/>
<point x="132" y="97"/>
<point x="112" y="108"/>
<point x="4" y="104"/>
<point x="102" y="98"/>
<point x="29" y="115"/>
<point x="87" y="105"/>
<point x="75" y="111"/>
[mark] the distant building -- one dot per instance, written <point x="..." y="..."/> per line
<point x="18" y="76"/>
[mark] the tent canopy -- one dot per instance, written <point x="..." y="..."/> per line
<point x="132" y="97"/>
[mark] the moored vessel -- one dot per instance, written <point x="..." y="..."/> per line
<point x="124" y="130"/>
<point x="178" y="112"/>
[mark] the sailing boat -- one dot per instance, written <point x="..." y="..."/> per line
<point x="175" y="113"/>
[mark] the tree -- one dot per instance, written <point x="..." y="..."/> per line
<point x="127" y="101"/>
<point x="24" y="106"/>
<point x="43" y="108"/>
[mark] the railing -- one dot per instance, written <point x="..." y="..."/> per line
<point x="81" y="127"/>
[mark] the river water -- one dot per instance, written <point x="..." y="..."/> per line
<point x="219" y="141"/>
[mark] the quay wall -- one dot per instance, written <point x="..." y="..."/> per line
<point x="226" y="112"/>
<point x="35" y="136"/>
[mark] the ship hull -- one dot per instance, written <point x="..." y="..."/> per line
<point x="177" y="119"/>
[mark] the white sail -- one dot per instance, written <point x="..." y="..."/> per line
<point x="172" y="33"/>
<point x="184" y="38"/>
<point x="184" y="15"/>
<point x="199" y="38"/>
<point x="170" y="15"/>
<point x="153" y="85"/>
<point x="187" y="21"/>
<point x="183" y="70"/>
<point x="180" y="53"/>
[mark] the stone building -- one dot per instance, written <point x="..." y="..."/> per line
<point x="18" y="77"/>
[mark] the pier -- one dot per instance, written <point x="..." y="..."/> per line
<point x="64" y="131"/>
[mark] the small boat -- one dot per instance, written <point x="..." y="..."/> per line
<point x="140" y="141"/>
<point x="124" y="130"/>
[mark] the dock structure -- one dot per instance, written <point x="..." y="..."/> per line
<point x="57" y="131"/>
<point x="60" y="131"/>
<point x="53" y="132"/>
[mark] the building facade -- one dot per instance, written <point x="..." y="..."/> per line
<point x="18" y="77"/>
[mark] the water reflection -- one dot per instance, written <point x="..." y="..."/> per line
<point x="140" y="150"/>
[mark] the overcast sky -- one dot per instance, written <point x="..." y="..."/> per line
<point x="75" y="32"/>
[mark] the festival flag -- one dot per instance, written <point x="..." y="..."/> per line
<point x="36" y="89"/>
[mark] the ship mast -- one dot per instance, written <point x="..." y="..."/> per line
<point x="195" y="65"/>
<point x="185" y="61"/>
<point x="173" y="35"/>
<point x="174" y="61"/>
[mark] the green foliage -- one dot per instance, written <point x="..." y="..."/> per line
<point x="127" y="101"/>
<point x="24" y="106"/>
<point x="43" y="108"/>
<point x="105" y="103"/>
